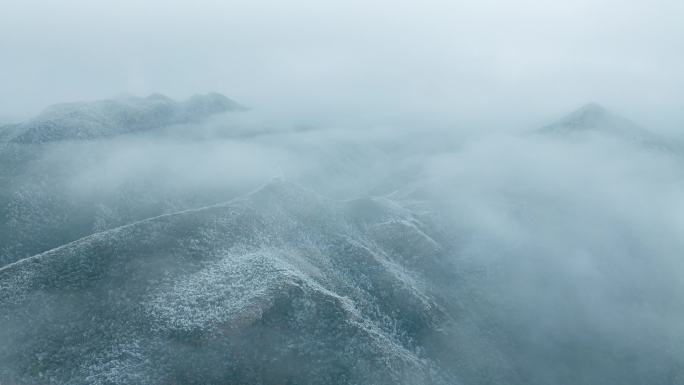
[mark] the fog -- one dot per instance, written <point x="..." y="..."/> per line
<point x="489" y="63"/>
<point x="562" y="248"/>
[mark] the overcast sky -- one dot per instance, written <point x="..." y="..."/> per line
<point x="492" y="61"/>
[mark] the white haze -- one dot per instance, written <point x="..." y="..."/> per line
<point x="488" y="63"/>
<point x="563" y="243"/>
<point x="571" y="244"/>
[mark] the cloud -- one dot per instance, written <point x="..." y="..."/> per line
<point x="456" y="60"/>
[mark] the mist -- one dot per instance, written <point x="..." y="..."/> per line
<point x="437" y="193"/>
<point x="487" y="63"/>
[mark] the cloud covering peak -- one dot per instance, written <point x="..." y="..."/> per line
<point x="111" y="117"/>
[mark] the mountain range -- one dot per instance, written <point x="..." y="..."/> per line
<point x="278" y="286"/>
<point x="139" y="283"/>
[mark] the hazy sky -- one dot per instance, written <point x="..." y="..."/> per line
<point x="464" y="61"/>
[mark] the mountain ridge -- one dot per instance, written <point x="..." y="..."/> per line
<point x="208" y="278"/>
<point x="111" y="117"/>
<point x="595" y="119"/>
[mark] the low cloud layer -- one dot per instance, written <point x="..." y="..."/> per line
<point x="490" y="63"/>
<point x="565" y="242"/>
<point x="562" y="240"/>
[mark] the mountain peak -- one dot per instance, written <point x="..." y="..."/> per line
<point x="158" y="96"/>
<point x="110" y="117"/>
<point x="593" y="117"/>
<point x="592" y="107"/>
<point x="589" y="116"/>
<point x="211" y="103"/>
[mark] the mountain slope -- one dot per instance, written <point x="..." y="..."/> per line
<point x="279" y="286"/>
<point x="106" y="118"/>
<point x="594" y="119"/>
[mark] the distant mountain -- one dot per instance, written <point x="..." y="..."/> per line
<point x="281" y="286"/>
<point x="593" y="118"/>
<point x="106" y="118"/>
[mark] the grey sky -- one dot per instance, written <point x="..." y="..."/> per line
<point x="524" y="61"/>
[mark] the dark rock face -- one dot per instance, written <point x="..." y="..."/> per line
<point x="106" y="118"/>
<point x="281" y="286"/>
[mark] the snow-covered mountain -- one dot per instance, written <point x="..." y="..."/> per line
<point x="592" y="116"/>
<point x="495" y="260"/>
<point x="280" y="286"/>
<point x="110" y="117"/>
<point x="594" y="119"/>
